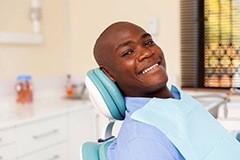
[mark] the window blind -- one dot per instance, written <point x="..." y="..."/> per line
<point x="210" y="43"/>
<point x="189" y="43"/>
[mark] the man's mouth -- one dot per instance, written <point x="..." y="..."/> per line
<point x="149" y="68"/>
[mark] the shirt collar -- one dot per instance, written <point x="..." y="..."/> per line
<point x="135" y="103"/>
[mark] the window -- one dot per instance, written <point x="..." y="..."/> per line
<point x="210" y="43"/>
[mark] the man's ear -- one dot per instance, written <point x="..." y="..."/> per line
<point x="110" y="76"/>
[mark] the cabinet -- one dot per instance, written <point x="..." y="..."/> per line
<point x="51" y="134"/>
<point x="40" y="134"/>
<point x="7" y="144"/>
<point x="57" y="152"/>
<point x="7" y="152"/>
<point x="81" y="129"/>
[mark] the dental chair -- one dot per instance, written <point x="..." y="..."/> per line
<point x="105" y="96"/>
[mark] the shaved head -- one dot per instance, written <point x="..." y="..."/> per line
<point x="127" y="54"/>
<point x="104" y="46"/>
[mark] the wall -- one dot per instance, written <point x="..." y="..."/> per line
<point x="46" y="59"/>
<point x="89" y="18"/>
<point x="70" y="28"/>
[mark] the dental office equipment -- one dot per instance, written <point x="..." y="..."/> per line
<point x="235" y="90"/>
<point x="212" y="102"/>
<point x="104" y="95"/>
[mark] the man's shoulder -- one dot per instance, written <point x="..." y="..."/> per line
<point x="132" y="129"/>
<point x="136" y="137"/>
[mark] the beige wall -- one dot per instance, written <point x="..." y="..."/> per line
<point x="46" y="59"/>
<point x="90" y="17"/>
<point x="69" y="36"/>
<point x="17" y="17"/>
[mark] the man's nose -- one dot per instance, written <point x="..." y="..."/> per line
<point x="144" y="54"/>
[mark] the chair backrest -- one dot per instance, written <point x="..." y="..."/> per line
<point x="104" y="95"/>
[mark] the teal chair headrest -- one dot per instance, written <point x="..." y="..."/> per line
<point x="105" y="94"/>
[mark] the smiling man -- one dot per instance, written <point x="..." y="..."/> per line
<point x="129" y="57"/>
<point x="159" y="124"/>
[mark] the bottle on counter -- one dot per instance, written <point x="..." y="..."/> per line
<point x="24" y="89"/>
<point x="70" y="87"/>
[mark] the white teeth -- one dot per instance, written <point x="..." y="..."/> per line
<point x="149" y="68"/>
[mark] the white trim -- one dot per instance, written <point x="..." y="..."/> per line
<point x="11" y="38"/>
<point x="26" y="38"/>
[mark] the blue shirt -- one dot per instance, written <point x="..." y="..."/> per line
<point x="140" y="141"/>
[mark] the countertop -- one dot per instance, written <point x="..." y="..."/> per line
<point x="44" y="106"/>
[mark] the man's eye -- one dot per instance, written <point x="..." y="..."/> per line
<point x="148" y="43"/>
<point x="126" y="53"/>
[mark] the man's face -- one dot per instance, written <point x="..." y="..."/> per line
<point x="137" y="64"/>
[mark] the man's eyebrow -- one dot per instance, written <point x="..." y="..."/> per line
<point x="123" y="44"/>
<point x="146" y="35"/>
<point x="130" y="42"/>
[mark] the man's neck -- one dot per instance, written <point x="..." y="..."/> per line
<point x="162" y="93"/>
<point x="166" y="93"/>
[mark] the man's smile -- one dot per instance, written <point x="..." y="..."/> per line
<point x="151" y="68"/>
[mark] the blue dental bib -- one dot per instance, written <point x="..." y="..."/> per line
<point x="190" y="127"/>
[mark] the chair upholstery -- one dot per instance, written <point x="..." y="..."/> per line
<point x="105" y="96"/>
<point x="94" y="150"/>
<point x="90" y="151"/>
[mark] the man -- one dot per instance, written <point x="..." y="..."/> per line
<point x="159" y="124"/>
<point x="128" y="55"/>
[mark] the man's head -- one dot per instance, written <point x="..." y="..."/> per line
<point x="129" y="57"/>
